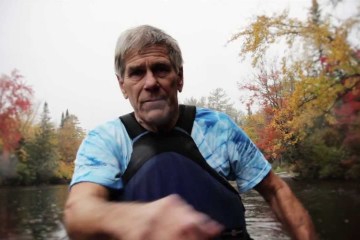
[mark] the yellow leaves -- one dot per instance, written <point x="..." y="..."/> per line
<point x="339" y="48"/>
<point x="252" y="124"/>
<point x="265" y="31"/>
<point x="350" y="82"/>
<point x="312" y="78"/>
<point x="69" y="138"/>
<point x="65" y="170"/>
<point x="259" y="31"/>
<point x="318" y="33"/>
<point x="312" y="98"/>
<point x="321" y="37"/>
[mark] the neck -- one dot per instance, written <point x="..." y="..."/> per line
<point x="160" y="126"/>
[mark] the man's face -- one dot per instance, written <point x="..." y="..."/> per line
<point x="151" y="84"/>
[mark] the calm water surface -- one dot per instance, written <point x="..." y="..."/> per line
<point x="32" y="212"/>
<point x="333" y="205"/>
<point x="36" y="212"/>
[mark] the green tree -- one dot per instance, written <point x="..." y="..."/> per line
<point x="62" y="120"/>
<point x="42" y="152"/>
<point x="218" y="100"/>
<point x="26" y="175"/>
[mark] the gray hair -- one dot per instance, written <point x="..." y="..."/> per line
<point x="141" y="37"/>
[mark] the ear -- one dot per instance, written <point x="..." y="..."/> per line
<point x="121" y="84"/>
<point x="180" y="83"/>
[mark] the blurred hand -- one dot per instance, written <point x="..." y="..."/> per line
<point x="169" y="218"/>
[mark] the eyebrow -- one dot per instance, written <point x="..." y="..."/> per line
<point x="135" y="67"/>
<point x="157" y="63"/>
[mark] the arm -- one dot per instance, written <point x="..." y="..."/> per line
<point x="88" y="213"/>
<point x="286" y="207"/>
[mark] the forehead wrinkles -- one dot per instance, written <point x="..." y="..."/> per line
<point x="155" y="51"/>
<point x="144" y="60"/>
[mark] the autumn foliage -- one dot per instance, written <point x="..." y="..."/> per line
<point x="33" y="152"/>
<point x="307" y="99"/>
<point x="15" y="100"/>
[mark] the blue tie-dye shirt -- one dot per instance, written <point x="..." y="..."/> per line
<point x="106" y="151"/>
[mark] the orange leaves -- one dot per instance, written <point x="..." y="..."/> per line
<point x="269" y="142"/>
<point x="266" y="88"/>
<point x="14" y="95"/>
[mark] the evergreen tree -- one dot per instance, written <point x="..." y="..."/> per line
<point x="42" y="150"/>
<point x="62" y="120"/>
<point x="195" y="102"/>
<point x="219" y="101"/>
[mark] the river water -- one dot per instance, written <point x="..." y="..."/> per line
<point x="36" y="212"/>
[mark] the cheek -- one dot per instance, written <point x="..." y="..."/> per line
<point x="171" y="86"/>
<point x="175" y="88"/>
<point x="132" y="94"/>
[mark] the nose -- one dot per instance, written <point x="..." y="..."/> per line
<point x="150" y="80"/>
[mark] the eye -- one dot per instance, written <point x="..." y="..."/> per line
<point x="136" y="73"/>
<point x="161" y="70"/>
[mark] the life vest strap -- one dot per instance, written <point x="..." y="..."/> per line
<point x="185" y="121"/>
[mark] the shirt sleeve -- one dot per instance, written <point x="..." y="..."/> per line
<point x="99" y="158"/>
<point x="247" y="161"/>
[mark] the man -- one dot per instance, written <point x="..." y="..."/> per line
<point x="169" y="193"/>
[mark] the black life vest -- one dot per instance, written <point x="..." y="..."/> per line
<point x="170" y="163"/>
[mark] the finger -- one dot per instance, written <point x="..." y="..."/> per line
<point x="200" y="226"/>
<point x="209" y="226"/>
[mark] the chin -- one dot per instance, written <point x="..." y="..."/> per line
<point x="159" y="116"/>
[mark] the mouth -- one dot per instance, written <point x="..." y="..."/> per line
<point x="152" y="100"/>
<point x="153" y="103"/>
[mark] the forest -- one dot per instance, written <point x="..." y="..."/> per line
<point x="33" y="149"/>
<point x="302" y="104"/>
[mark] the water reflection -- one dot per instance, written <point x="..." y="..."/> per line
<point x="36" y="212"/>
<point x="261" y="222"/>
<point x="333" y="205"/>
<point x="32" y="213"/>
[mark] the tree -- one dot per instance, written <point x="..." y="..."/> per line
<point x="69" y="136"/>
<point x="62" y="120"/>
<point x="42" y="151"/>
<point x="26" y="174"/>
<point x="268" y="87"/>
<point x="218" y="101"/>
<point x="269" y="90"/>
<point x="195" y="102"/>
<point x="15" y="100"/>
<point x="299" y="93"/>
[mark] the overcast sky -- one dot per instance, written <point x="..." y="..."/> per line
<point x="64" y="48"/>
